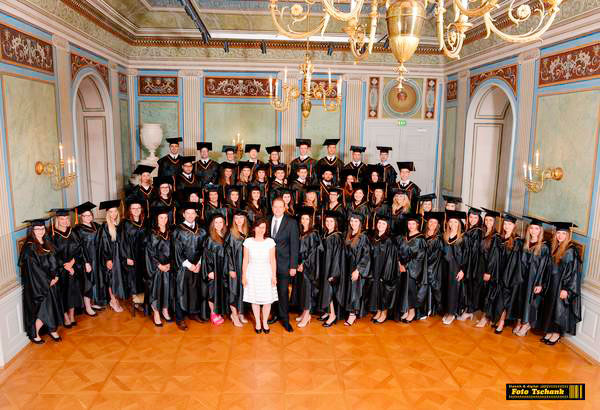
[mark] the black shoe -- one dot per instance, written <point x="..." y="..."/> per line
<point x="157" y="324"/>
<point x="56" y="339"/>
<point x="258" y="331"/>
<point x="266" y="331"/>
<point x="170" y="320"/>
<point x="274" y="319"/>
<point x="329" y="324"/>
<point x="323" y="318"/>
<point x="37" y="342"/>
<point x="287" y="326"/>
<point x="551" y="343"/>
<point x="70" y="325"/>
<point x="498" y="331"/>
<point x="73" y="323"/>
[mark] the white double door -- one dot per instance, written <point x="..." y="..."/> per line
<point x="416" y="142"/>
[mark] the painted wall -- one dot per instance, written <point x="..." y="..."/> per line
<point x="165" y="113"/>
<point x="448" y="147"/>
<point x="125" y="138"/>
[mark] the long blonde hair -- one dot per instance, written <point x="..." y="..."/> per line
<point x="112" y="226"/>
<point x="236" y="232"/>
<point x="559" y="249"/>
<point x="404" y="207"/>
<point x="537" y="247"/>
<point x="459" y="233"/>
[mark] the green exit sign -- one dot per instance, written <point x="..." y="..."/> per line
<point x="402" y="123"/>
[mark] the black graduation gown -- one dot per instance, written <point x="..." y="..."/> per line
<point x="209" y="211"/>
<point x="413" y="192"/>
<point x="535" y="273"/>
<point x="235" y="257"/>
<point x="208" y="172"/>
<point x="169" y="167"/>
<point x="490" y="263"/>
<point x="362" y="209"/>
<point x="336" y="163"/>
<point x="412" y="253"/>
<point x="40" y="300"/>
<point x="182" y="182"/>
<point x="389" y="174"/>
<point x="453" y="291"/>
<point x="384" y="274"/>
<point x="398" y="226"/>
<point x="188" y="244"/>
<point x="357" y="171"/>
<point x="507" y="279"/>
<point x="305" y="286"/>
<point x="435" y="271"/>
<point x="310" y="163"/>
<point x="133" y="247"/>
<point x="143" y="196"/>
<point x="159" y="285"/>
<point x="110" y="250"/>
<point x="214" y="259"/>
<point x="473" y="274"/>
<point x="558" y="315"/>
<point x="170" y="203"/>
<point x="382" y="210"/>
<point x="331" y="270"/>
<point x="299" y="190"/>
<point x="93" y="282"/>
<point x="254" y="213"/>
<point x="342" y="219"/>
<point x="66" y="248"/>
<point x="357" y="256"/>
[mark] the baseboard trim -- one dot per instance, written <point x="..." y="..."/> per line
<point x="12" y="333"/>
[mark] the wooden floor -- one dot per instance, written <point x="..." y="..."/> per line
<point x="114" y="361"/>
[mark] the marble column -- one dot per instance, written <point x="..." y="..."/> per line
<point x="133" y="123"/>
<point x="354" y="111"/>
<point x="289" y="121"/>
<point x="527" y="61"/>
<point x="192" y="109"/>
<point x="113" y="70"/>
<point x="462" y="106"/>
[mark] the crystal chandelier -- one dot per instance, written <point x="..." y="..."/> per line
<point x="405" y="20"/>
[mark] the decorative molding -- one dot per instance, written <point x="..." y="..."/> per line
<point x="324" y="84"/>
<point x="60" y="42"/>
<point x="122" y="83"/>
<point x="451" y="90"/>
<point x="508" y="74"/>
<point x="463" y="74"/>
<point x="157" y="85"/>
<point x="373" y="97"/>
<point x="581" y="63"/>
<point x="529" y="55"/>
<point x="132" y="72"/>
<point x="25" y="50"/>
<point x="78" y="62"/>
<point x="430" y="98"/>
<point x="236" y="87"/>
<point x="190" y="73"/>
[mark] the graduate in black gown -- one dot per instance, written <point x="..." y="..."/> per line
<point x="398" y="209"/>
<point x="144" y="192"/>
<point x="305" y="289"/>
<point x="453" y="289"/>
<point x="110" y="258"/>
<point x="212" y="204"/>
<point x="409" y="187"/>
<point x="233" y="202"/>
<point x="561" y="310"/>
<point x="133" y="249"/>
<point x="473" y="276"/>
<point x="300" y="184"/>
<point x="356" y="268"/>
<point x="230" y="153"/>
<point x="389" y="173"/>
<point x="255" y="205"/>
<point x="426" y="203"/>
<point x="215" y="272"/>
<point x="245" y="177"/>
<point x="235" y="256"/>
<point x="261" y="180"/>
<point x="359" y="204"/>
<point x="252" y="151"/>
<point x="69" y="256"/>
<point x="186" y="178"/>
<point x="226" y="178"/>
<point x="288" y="202"/>
<point x="435" y="264"/>
<point x="188" y="244"/>
<point x="378" y="206"/>
<point x="40" y="273"/>
<point x="334" y="204"/>
<point x="490" y="265"/>
<point x="383" y="291"/>
<point x="165" y="197"/>
<point x="169" y="165"/>
<point x="412" y="254"/>
<point x="303" y="159"/>
<point x="205" y="168"/>
<point x="510" y="274"/>
<point x="331" y="268"/>
<point x="274" y="161"/>
<point x="536" y="260"/>
<point x="355" y="167"/>
<point x="159" y="279"/>
<point x="94" y="288"/>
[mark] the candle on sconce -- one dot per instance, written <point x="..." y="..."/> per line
<point x="530" y="174"/>
<point x="276" y="88"/>
<point x="74" y="162"/>
<point x="329" y="77"/>
<point x="537" y="158"/>
<point x="525" y="169"/>
<point x="285" y="75"/>
<point x="339" y="86"/>
<point x="270" y="86"/>
<point x="60" y="151"/>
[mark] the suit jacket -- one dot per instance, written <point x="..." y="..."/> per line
<point x="287" y="241"/>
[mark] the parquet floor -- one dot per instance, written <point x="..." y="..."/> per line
<point x="114" y="361"/>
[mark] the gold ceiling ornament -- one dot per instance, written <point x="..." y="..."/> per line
<point x="405" y="20"/>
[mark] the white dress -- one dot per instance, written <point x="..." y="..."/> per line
<point x="259" y="289"/>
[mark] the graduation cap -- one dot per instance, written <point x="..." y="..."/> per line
<point x="207" y="145"/>
<point x="228" y="165"/>
<point x="85" y="207"/>
<point x="36" y="222"/>
<point x="279" y="167"/>
<point x="427" y="197"/>
<point x="490" y="213"/>
<point x="159" y="210"/>
<point x="455" y="215"/>
<point x="140" y="169"/>
<point x="232" y="188"/>
<point x="187" y="159"/>
<point x="406" y="165"/>
<point x="228" y="148"/>
<point x="250" y="147"/>
<point x="345" y="173"/>
<point x="329" y="168"/>
<point x="452" y="199"/>
<point x="356" y="216"/>
<point x="330" y="141"/>
<point x="333" y="214"/>
<point x="174" y="140"/>
<point x="186" y="192"/>
<point x="61" y="211"/>
<point x="356" y="148"/>
<point x="398" y="191"/>
<point x="335" y="190"/>
<point x="245" y="164"/>
<point x="362" y="187"/>
<point x="303" y="141"/>
<point x="439" y="216"/>
<point x="313" y="188"/>
<point x="384" y="149"/>
<point x="158" y="181"/>
<point x="510" y="218"/>
<point x="241" y="212"/>
<point x="305" y="210"/>
<point x="475" y="211"/>
<point x="254" y="187"/>
<point x="564" y="226"/>
<point x="133" y="200"/>
<point x="115" y="203"/>
<point x="302" y="166"/>
<point x="375" y="168"/>
<point x="211" y="188"/>
<point x="378" y="185"/>
<point x="534" y="221"/>
<point x="274" y="148"/>
<point x="262" y="167"/>
<point x="413" y="217"/>
<point x="189" y="205"/>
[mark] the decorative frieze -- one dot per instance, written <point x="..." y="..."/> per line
<point x="430" y="98"/>
<point x="582" y="63"/>
<point x="25" y="50"/>
<point x="451" y="89"/>
<point x="157" y="85"/>
<point x="122" y="83"/>
<point x="79" y="62"/>
<point x="373" y="98"/>
<point x="508" y="74"/>
<point x="236" y="87"/>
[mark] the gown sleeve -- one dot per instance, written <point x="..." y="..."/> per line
<point x="363" y="262"/>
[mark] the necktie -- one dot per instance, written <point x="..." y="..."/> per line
<point x="275" y="228"/>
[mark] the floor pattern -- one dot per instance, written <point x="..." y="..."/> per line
<point x="116" y="361"/>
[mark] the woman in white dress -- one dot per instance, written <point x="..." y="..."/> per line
<point x="259" y="269"/>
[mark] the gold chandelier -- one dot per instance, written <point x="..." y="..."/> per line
<point x="405" y="20"/>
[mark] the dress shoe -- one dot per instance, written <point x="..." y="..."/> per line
<point x="287" y="326"/>
<point x="266" y="331"/>
<point x="274" y="319"/>
<point x="182" y="325"/>
<point x="70" y="325"/>
<point x="56" y="339"/>
<point x="323" y="318"/>
<point x="258" y="331"/>
<point x="40" y="341"/>
<point x="197" y="318"/>
<point x="329" y="324"/>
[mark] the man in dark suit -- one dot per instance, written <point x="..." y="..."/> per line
<point x="284" y="231"/>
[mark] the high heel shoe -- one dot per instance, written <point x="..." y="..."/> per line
<point x="40" y="341"/>
<point x="323" y="318"/>
<point x="498" y="331"/>
<point x="73" y="323"/>
<point x="56" y="339"/>
<point x="306" y="324"/>
<point x="86" y="312"/>
<point x="329" y="324"/>
<point x="266" y="331"/>
<point x="552" y="343"/>
<point x="258" y="331"/>
<point x="346" y="323"/>
<point x="159" y="324"/>
<point x="70" y="325"/>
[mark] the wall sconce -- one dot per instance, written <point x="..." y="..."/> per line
<point x="239" y="146"/>
<point x="536" y="175"/>
<point x="60" y="177"/>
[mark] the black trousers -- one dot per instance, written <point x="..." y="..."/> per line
<point x="283" y="304"/>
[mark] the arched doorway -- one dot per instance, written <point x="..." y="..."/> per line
<point x="489" y="137"/>
<point x="93" y="129"/>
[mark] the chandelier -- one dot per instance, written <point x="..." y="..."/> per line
<point x="405" y="20"/>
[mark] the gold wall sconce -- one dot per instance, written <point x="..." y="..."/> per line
<point x="535" y="175"/>
<point x="60" y="178"/>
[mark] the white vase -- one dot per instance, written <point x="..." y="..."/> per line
<point x="151" y="136"/>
